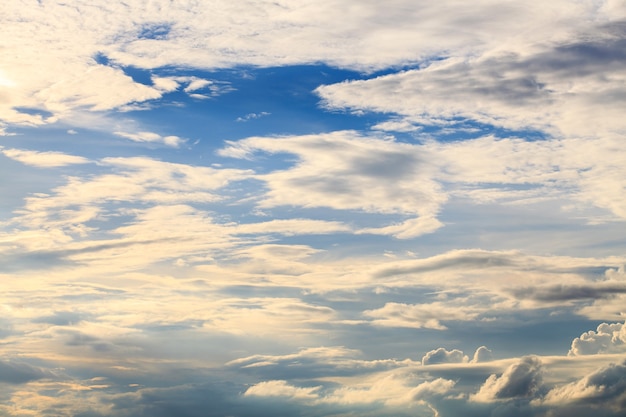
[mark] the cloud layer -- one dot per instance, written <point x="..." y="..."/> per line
<point x="312" y="208"/>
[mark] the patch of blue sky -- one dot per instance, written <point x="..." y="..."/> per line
<point x="261" y="101"/>
<point x="520" y="332"/>
<point x="159" y="31"/>
<point x="460" y="129"/>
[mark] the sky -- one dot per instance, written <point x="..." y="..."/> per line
<point x="250" y="208"/>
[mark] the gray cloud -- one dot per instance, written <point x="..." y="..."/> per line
<point x="13" y="372"/>
<point x="602" y="390"/>
<point x="520" y="380"/>
<point x="61" y="318"/>
<point x="457" y="259"/>
<point x="564" y="292"/>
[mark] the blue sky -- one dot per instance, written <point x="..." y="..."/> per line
<point x="297" y="208"/>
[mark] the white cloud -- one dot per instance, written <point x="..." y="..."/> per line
<point x="346" y="171"/>
<point x="317" y="362"/>
<point x="425" y="315"/>
<point x="355" y="34"/>
<point x="482" y="354"/>
<point x="374" y="174"/>
<point x="608" y="338"/>
<point x="442" y="355"/>
<point x="395" y="388"/>
<point x="282" y="389"/>
<point x="556" y="87"/>
<point x="396" y="125"/>
<point x="173" y="141"/>
<point x="252" y="116"/>
<point x="290" y="227"/>
<point x="43" y="159"/>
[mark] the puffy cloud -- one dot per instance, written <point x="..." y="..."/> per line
<point x="522" y="379"/>
<point x="608" y="338"/>
<point x="482" y="354"/>
<point x="442" y="355"/>
<point x="429" y="389"/>
<point x="605" y="386"/>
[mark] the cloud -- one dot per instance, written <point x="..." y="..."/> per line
<point x="282" y="389"/>
<point x="43" y="159"/>
<point x="393" y="389"/>
<point x="520" y="380"/>
<point x="13" y="372"/>
<point x="442" y="355"/>
<point x="569" y="292"/>
<point x="346" y="171"/>
<point x="364" y="36"/>
<point x="482" y="354"/>
<point x="315" y="362"/>
<point x="508" y="89"/>
<point x="196" y="87"/>
<point x="605" y="387"/>
<point x="252" y="116"/>
<point x="608" y="338"/>
<point x="95" y="87"/>
<point x="457" y="259"/>
<point x="290" y="227"/>
<point x="425" y="315"/>
<point x="173" y="141"/>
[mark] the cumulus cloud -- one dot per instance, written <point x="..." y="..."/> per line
<point x="608" y="338"/>
<point x="606" y="386"/>
<point x="441" y="355"/>
<point x="482" y="354"/>
<point x="522" y="379"/>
